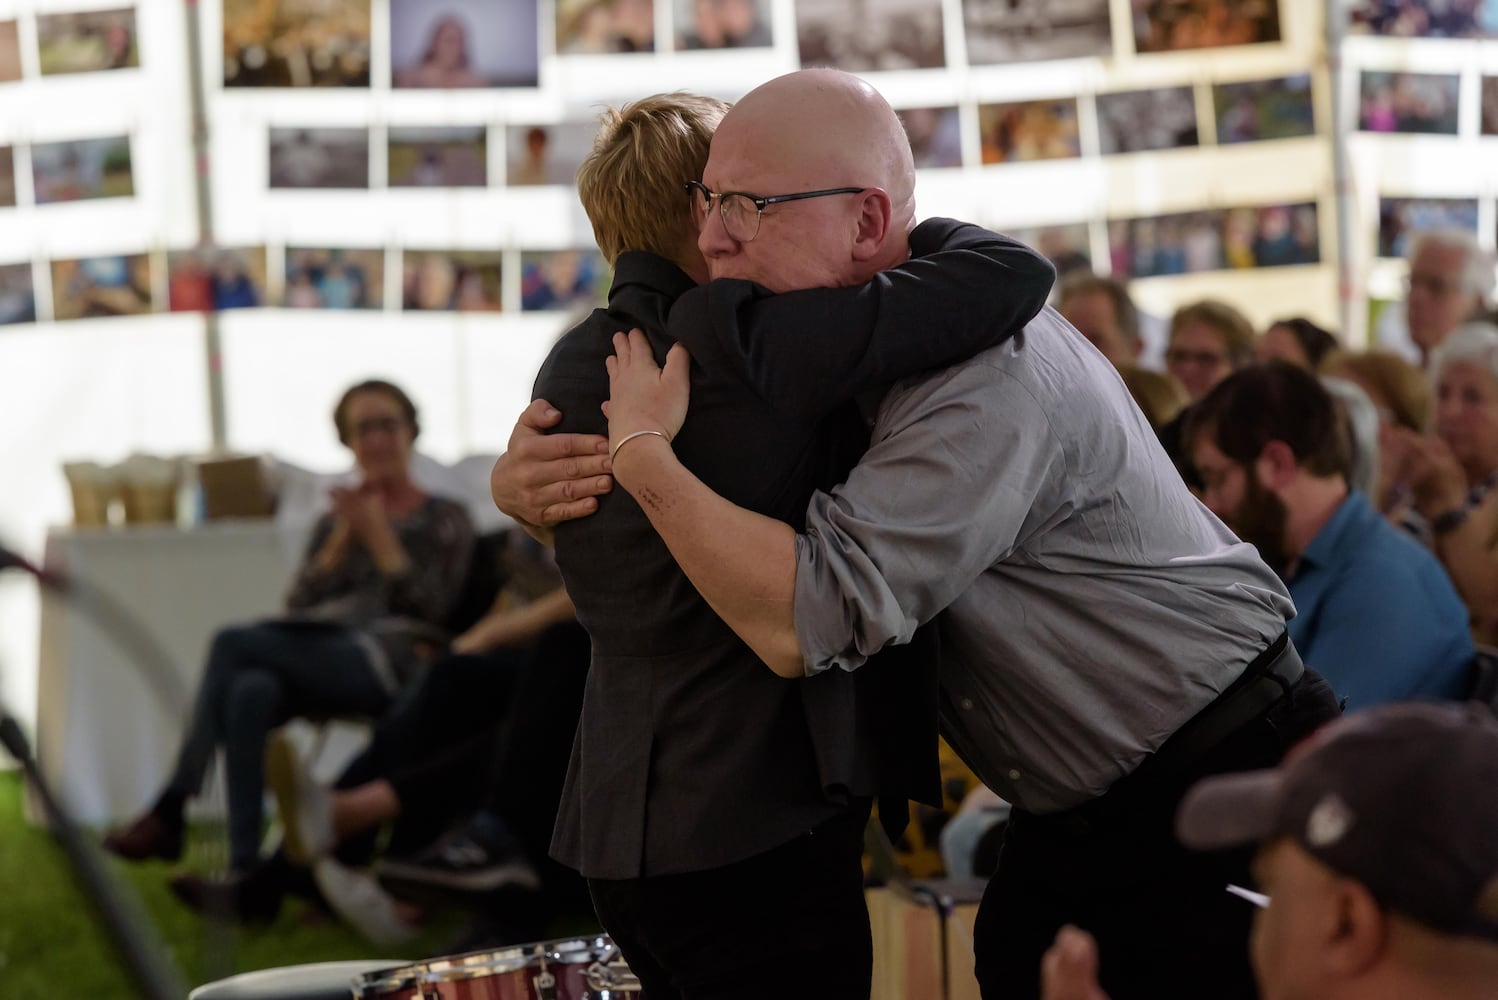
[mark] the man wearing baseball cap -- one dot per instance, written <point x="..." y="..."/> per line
<point x="1378" y="850"/>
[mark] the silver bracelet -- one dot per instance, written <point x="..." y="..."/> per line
<point x="626" y="439"/>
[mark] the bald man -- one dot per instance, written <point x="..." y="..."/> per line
<point x="1106" y="640"/>
<point x="705" y="794"/>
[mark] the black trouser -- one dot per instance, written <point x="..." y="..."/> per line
<point x="1166" y="927"/>
<point x="434" y="747"/>
<point x="492" y="730"/>
<point x="530" y="769"/>
<point x="790" y="923"/>
<point x="258" y="677"/>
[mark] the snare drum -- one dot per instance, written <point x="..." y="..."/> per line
<point x="569" y="969"/>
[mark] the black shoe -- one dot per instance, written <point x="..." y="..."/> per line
<point x="479" y="857"/>
<point x="238" y="897"/>
<point x="150" y="836"/>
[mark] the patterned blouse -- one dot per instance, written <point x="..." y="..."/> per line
<point x="390" y="614"/>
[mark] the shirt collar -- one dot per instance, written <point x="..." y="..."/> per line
<point x="636" y="267"/>
<point x="1332" y="539"/>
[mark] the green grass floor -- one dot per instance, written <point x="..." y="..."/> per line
<point x="51" y="948"/>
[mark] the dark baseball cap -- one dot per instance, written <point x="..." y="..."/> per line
<point x="1402" y="798"/>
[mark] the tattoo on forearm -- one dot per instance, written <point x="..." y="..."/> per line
<point x="652" y="499"/>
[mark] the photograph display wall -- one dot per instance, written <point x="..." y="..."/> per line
<point x="289" y="189"/>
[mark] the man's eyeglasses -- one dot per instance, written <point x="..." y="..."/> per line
<point x="740" y="211"/>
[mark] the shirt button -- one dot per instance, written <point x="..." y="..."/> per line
<point x="966" y="703"/>
<point x="1014" y="774"/>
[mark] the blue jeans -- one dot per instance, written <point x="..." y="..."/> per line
<point x="258" y="677"/>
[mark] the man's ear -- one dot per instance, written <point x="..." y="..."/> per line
<point x="1361" y="935"/>
<point x="873" y="223"/>
<point x="1276" y="465"/>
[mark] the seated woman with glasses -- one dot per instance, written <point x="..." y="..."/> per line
<point x="1452" y="472"/>
<point x="380" y="574"/>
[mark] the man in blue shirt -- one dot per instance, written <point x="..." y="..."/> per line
<point x="1376" y="614"/>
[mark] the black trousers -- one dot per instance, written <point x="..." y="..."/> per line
<point x="1166" y="927"/>
<point x="490" y="731"/>
<point x="435" y="746"/>
<point x="790" y="923"/>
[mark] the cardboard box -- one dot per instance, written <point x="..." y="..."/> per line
<point x="234" y="487"/>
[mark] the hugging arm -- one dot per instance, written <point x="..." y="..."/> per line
<point x="947" y="490"/>
<point x="963" y="290"/>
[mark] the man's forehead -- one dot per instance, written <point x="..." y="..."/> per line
<point x="736" y="165"/>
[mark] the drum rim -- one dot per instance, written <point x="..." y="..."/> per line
<point x="585" y="951"/>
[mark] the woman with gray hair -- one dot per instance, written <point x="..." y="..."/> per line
<point x="1453" y="471"/>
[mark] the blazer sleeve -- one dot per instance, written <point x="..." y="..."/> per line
<point x="963" y="291"/>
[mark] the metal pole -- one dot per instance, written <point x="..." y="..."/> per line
<point x="203" y="188"/>
<point x="1342" y="207"/>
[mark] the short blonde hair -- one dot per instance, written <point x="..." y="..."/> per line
<point x="632" y="184"/>
<point x="1237" y="332"/>
<point x="1400" y="384"/>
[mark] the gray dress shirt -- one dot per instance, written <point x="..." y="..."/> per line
<point x="1094" y="604"/>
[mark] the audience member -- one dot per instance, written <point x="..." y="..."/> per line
<point x="1377" y="848"/>
<point x="1375" y="613"/>
<point x="1452" y="473"/>
<point x="1102" y="311"/>
<point x="1450" y="282"/>
<point x="487" y="731"/>
<point x="1209" y="340"/>
<point x="1400" y="394"/>
<point x="437" y="737"/>
<point x="1363" y="428"/>
<point x="1297" y="340"/>
<point x="1397" y="388"/>
<point x="381" y="571"/>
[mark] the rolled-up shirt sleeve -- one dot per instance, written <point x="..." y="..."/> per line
<point x="963" y="468"/>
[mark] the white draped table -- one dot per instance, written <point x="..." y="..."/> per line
<point x="104" y="739"/>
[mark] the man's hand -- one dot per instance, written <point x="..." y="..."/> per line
<point x="642" y="396"/>
<point x="544" y="479"/>
<point x="1069" y="969"/>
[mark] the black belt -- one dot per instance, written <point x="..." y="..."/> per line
<point x="1266" y="679"/>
